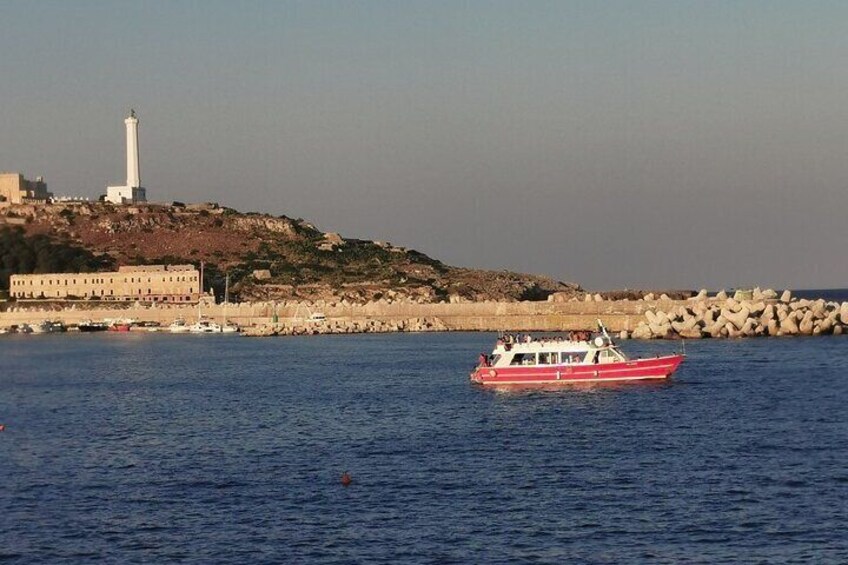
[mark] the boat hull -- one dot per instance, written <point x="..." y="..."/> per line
<point x="633" y="370"/>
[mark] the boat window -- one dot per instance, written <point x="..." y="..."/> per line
<point x="548" y="358"/>
<point x="609" y="356"/>
<point x="523" y="359"/>
<point x="495" y="359"/>
<point x="606" y="356"/>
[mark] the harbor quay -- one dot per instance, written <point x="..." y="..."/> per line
<point x="486" y="316"/>
<point x="702" y="316"/>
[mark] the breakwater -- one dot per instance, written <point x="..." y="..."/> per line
<point x="759" y="313"/>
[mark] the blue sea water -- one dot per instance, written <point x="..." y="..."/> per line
<point x="828" y="294"/>
<point x="159" y="448"/>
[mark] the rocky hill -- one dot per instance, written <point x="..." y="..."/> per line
<point x="266" y="257"/>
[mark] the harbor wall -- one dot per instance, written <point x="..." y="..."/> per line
<point x="485" y="316"/>
<point x="698" y="317"/>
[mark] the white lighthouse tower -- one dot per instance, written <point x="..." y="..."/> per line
<point x="132" y="192"/>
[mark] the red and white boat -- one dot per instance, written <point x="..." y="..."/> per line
<point x="554" y="361"/>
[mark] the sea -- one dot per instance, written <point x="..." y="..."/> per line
<point x="154" y="448"/>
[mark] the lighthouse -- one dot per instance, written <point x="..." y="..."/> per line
<point x="132" y="192"/>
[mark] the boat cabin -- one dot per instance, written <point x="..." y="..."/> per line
<point x="554" y="351"/>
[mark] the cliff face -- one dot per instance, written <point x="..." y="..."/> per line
<point x="267" y="257"/>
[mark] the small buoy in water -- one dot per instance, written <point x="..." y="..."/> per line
<point x="2" y="427"/>
<point x="346" y="480"/>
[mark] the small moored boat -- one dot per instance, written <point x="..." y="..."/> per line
<point x="48" y="327"/>
<point x="205" y="327"/>
<point x="90" y="326"/>
<point x="179" y="326"/>
<point x="555" y="361"/>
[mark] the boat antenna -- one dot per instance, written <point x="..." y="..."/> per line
<point x="603" y="329"/>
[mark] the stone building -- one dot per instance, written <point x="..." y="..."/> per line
<point x="148" y="283"/>
<point x="16" y="189"/>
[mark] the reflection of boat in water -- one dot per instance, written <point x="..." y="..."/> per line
<point x="119" y="327"/>
<point x="562" y="361"/>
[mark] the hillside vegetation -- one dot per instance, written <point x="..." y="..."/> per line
<point x="40" y="253"/>
<point x="266" y="257"/>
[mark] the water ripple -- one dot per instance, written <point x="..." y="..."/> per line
<point x="169" y="448"/>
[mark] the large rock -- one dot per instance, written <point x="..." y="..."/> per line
<point x="819" y="309"/>
<point x="721" y="296"/>
<point x="786" y="297"/>
<point x="738" y="319"/>
<point x="731" y="331"/>
<point x="699" y="308"/>
<point x="788" y="326"/>
<point x="694" y="333"/>
<point x="660" y="330"/>
<point x="843" y="313"/>
<point x="657" y="318"/>
<point x="642" y="331"/>
<point x="686" y="324"/>
<point x="805" y="327"/>
<point x="768" y="313"/>
<point x="772" y="327"/>
<point x="714" y="329"/>
<point x="701" y="296"/>
<point x="757" y="308"/>
<point x="802" y="304"/>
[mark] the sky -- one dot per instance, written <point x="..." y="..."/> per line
<point x="651" y="144"/>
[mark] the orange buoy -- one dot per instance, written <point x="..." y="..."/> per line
<point x="346" y="480"/>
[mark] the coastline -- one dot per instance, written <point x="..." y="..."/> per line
<point x="702" y="316"/>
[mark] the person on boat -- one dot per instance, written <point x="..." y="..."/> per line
<point x="484" y="360"/>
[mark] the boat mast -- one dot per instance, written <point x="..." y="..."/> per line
<point x="201" y="292"/>
<point x="226" y="298"/>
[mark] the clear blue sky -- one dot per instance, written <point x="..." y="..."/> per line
<point x="615" y="144"/>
